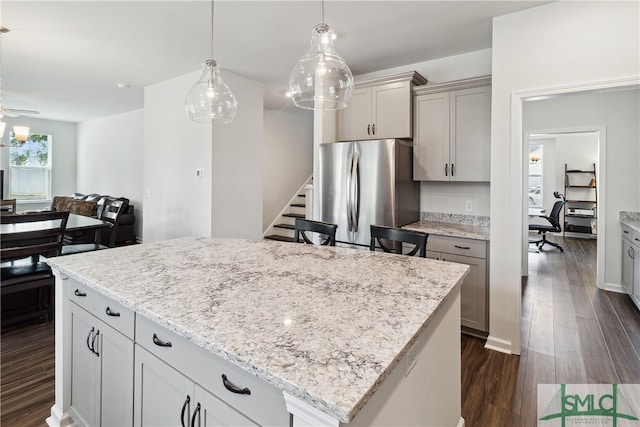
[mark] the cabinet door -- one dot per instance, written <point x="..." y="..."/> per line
<point x="431" y="137"/>
<point x="470" y="134"/>
<point x="628" y="266"/>
<point x="161" y="393"/>
<point x="354" y="120"/>
<point x="473" y="294"/>
<point x="391" y="111"/>
<point x="116" y="378"/>
<point x="214" y="412"/>
<point x="636" y="276"/>
<point x="85" y="366"/>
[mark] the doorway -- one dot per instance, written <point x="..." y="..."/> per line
<point x="550" y="154"/>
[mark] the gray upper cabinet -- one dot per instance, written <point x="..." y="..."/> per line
<point x="452" y="131"/>
<point x="379" y="108"/>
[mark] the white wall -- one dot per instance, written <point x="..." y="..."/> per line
<point x="110" y="156"/>
<point x="227" y="199"/>
<point x="288" y="157"/>
<point x="619" y="112"/>
<point x="553" y="47"/>
<point x="237" y="175"/>
<point x="63" y="155"/>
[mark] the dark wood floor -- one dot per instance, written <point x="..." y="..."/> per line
<point x="571" y="333"/>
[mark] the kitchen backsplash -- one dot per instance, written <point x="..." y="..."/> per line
<point x="480" y="221"/>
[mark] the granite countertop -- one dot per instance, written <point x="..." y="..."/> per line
<point x="324" y="324"/>
<point x="631" y="219"/>
<point x="451" y="230"/>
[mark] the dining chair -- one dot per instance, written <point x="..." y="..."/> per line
<point x="8" y="206"/>
<point x="326" y="231"/>
<point x="380" y="236"/>
<point x="26" y="238"/>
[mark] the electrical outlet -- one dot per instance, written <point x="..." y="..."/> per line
<point x="411" y="358"/>
<point x="469" y="206"/>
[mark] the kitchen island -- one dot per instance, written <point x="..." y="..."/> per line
<point x="329" y="335"/>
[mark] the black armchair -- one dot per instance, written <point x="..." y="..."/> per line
<point x="553" y="226"/>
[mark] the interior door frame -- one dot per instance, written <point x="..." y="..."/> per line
<point x="601" y="131"/>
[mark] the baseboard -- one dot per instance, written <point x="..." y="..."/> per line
<point x="498" y="344"/>
<point x="613" y="287"/>
<point x="58" y="419"/>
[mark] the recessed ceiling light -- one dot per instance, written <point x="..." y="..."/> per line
<point x="122" y="85"/>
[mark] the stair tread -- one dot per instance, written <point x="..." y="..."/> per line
<point x="287" y="226"/>
<point x="279" y="238"/>
<point x="298" y="205"/>
<point x="293" y="215"/>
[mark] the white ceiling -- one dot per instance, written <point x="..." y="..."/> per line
<point x="64" y="58"/>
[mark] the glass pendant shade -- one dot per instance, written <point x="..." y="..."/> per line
<point x="21" y="133"/>
<point x="3" y="125"/>
<point x="321" y="80"/>
<point x="210" y="98"/>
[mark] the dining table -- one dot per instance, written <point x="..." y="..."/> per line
<point x="75" y="223"/>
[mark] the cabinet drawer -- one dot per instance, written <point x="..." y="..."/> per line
<point x="109" y="311"/>
<point x="265" y="405"/>
<point x="457" y="246"/>
<point x="631" y="234"/>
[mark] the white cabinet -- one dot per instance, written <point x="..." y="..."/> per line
<point x="452" y="131"/>
<point x="631" y="263"/>
<point x="176" y="380"/>
<point x="379" y="109"/>
<point x="102" y="364"/>
<point x="474" y="293"/>
<point x="166" y="397"/>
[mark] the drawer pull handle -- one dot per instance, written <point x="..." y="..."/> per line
<point x="112" y="313"/>
<point x="157" y="341"/>
<point x="88" y="338"/>
<point x="462" y="247"/>
<point x="93" y="343"/>
<point x="184" y="408"/>
<point x="196" y="413"/>
<point x="232" y="388"/>
<point x="82" y="294"/>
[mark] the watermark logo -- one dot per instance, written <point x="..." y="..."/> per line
<point x="615" y="405"/>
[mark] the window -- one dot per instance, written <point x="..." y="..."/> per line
<point x="535" y="175"/>
<point x="30" y="168"/>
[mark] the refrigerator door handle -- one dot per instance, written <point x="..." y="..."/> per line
<point x="355" y="200"/>
<point x="349" y="179"/>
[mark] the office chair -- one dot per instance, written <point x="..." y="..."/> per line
<point x="554" y="224"/>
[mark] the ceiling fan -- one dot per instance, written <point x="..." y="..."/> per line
<point x="16" y="112"/>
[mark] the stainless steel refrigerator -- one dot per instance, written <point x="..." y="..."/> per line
<point x="367" y="182"/>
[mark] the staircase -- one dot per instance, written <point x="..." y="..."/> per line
<point x="283" y="229"/>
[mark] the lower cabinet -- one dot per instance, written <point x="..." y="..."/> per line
<point x="101" y="372"/>
<point x="474" y="293"/>
<point x="166" y="397"/>
<point x="631" y="263"/>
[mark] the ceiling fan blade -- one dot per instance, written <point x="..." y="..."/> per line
<point x="19" y="111"/>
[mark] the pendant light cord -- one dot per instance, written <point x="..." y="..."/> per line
<point x="322" y="12"/>
<point x="212" y="4"/>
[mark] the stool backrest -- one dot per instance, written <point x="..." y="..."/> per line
<point x="381" y="234"/>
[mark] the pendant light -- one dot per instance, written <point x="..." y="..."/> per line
<point x="21" y="133"/>
<point x="210" y="98"/>
<point x="321" y="80"/>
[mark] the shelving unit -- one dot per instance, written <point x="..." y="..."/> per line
<point x="581" y="202"/>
